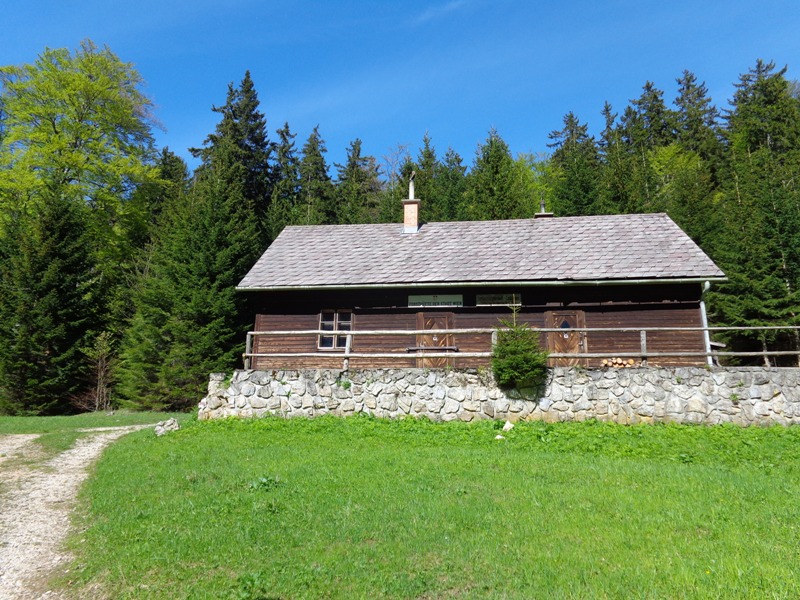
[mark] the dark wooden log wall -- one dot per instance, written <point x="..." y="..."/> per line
<point x="614" y="343"/>
<point x="610" y="306"/>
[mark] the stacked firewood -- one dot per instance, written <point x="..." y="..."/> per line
<point x="620" y="363"/>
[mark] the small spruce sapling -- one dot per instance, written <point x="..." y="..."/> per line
<point x="518" y="361"/>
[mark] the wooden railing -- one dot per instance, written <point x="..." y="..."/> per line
<point x="642" y="354"/>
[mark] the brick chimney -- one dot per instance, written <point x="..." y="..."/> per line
<point x="411" y="208"/>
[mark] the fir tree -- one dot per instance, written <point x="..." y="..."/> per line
<point x="697" y="126"/>
<point x="189" y="320"/>
<point x="613" y="182"/>
<point x="148" y="201"/>
<point x="492" y="190"/>
<point x="450" y="188"/>
<point x="244" y="127"/>
<point x="283" y="208"/>
<point x="316" y="190"/>
<point x="428" y="169"/>
<point x="48" y="308"/>
<point x="576" y="156"/>
<point x="646" y="124"/>
<point x="358" y="187"/>
<point x="761" y="206"/>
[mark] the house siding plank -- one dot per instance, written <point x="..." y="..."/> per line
<point x="623" y="306"/>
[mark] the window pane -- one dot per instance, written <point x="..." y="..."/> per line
<point x="334" y="321"/>
<point x="327" y="321"/>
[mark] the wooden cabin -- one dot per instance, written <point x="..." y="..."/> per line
<point x="592" y="281"/>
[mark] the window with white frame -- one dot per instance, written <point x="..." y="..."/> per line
<point x="334" y="321"/>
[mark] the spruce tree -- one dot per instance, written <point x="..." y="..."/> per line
<point x="492" y="190"/>
<point x="244" y="126"/>
<point x="316" y="192"/>
<point x="357" y="188"/>
<point x="697" y="120"/>
<point x="427" y="168"/>
<point x="210" y="252"/>
<point x="450" y="187"/>
<point x="144" y="213"/>
<point x="48" y="308"/>
<point x="686" y="170"/>
<point x="284" y="208"/>
<point x="613" y="183"/>
<point x="761" y="207"/>
<point x="149" y="200"/>
<point x="645" y="125"/>
<point x="189" y="320"/>
<point x="577" y="158"/>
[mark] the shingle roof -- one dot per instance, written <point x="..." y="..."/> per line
<point x="565" y="249"/>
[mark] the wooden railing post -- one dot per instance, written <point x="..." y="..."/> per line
<point x="643" y="344"/>
<point x="248" y="350"/>
<point x="347" y="345"/>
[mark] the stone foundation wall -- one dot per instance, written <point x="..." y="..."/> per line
<point x="744" y="396"/>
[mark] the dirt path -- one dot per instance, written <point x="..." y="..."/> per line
<point x="11" y="445"/>
<point x="35" y="505"/>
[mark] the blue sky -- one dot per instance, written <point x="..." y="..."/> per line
<point x="387" y="72"/>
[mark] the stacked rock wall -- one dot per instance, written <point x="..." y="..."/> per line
<point x="744" y="396"/>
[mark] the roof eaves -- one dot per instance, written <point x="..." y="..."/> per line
<point x="501" y="283"/>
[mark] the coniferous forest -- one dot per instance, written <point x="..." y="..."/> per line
<point x="118" y="264"/>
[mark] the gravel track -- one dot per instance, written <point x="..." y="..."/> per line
<point x="35" y="506"/>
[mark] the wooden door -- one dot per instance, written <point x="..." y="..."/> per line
<point x="434" y="342"/>
<point x="566" y="341"/>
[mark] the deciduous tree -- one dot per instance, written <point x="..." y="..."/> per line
<point x="76" y="127"/>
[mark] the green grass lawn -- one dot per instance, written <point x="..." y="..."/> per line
<point x="59" y="433"/>
<point x="364" y="508"/>
<point x="83" y="421"/>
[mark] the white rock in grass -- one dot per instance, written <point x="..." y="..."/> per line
<point x="499" y="437"/>
<point x="163" y="427"/>
<point x="508" y="426"/>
